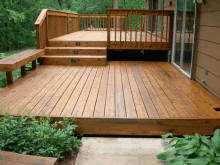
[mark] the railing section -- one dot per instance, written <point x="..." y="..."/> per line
<point x="139" y="29"/>
<point x="52" y="23"/>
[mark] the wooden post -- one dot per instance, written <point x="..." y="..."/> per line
<point x="108" y="30"/>
<point x="23" y="70"/>
<point x="171" y="30"/>
<point x="34" y="64"/>
<point x="9" y="77"/>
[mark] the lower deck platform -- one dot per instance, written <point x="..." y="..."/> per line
<point x="121" y="98"/>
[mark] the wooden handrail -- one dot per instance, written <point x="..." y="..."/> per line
<point x="41" y="17"/>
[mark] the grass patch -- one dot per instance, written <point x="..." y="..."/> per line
<point x="16" y="73"/>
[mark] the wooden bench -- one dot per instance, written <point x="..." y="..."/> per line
<point x="10" y="158"/>
<point x="19" y="60"/>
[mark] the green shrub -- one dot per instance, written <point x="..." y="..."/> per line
<point x="193" y="149"/>
<point x="27" y="135"/>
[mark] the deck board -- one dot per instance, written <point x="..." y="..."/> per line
<point x="102" y="36"/>
<point x="153" y="91"/>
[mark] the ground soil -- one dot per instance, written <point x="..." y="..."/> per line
<point x="68" y="159"/>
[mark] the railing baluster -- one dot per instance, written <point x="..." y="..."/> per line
<point x="141" y="28"/>
<point x="146" y="29"/>
<point x="131" y="29"/>
<point x="161" y="40"/>
<point x="87" y="23"/>
<point x="120" y="26"/>
<point x="95" y="23"/>
<point x="136" y="29"/>
<point x="126" y="28"/>
<point x="156" y="26"/>
<point x="152" y="23"/>
<point x="115" y="25"/>
<point x="167" y="31"/>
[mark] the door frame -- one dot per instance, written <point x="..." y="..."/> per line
<point x="192" y="68"/>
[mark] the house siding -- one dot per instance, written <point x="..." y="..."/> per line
<point x="208" y="49"/>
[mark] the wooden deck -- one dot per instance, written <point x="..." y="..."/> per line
<point x="126" y="98"/>
<point x="102" y="36"/>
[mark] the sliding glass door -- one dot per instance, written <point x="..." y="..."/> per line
<point x="184" y="35"/>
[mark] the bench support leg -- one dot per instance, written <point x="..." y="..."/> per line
<point x="23" y="70"/>
<point x="34" y="64"/>
<point x="9" y="78"/>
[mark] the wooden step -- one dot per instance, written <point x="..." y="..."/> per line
<point x="77" y="43"/>
<point x="88" y="60"/>
<point x="75" y="51"/>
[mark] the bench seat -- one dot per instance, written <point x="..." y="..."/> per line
<point x="19" y="60"/>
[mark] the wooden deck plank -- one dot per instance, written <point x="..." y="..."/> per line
<point x="29" y="93"/>
<point x="162" y="112"/>
<point x="25" y="87"/>
<point x="181" y="109"/>
<point x="173" y="113"/>
<point x="91" y="102"/>
<point x="31" y="104"/>
<point x="119" y="97"/>
<point x="61" y="89"/>
<point x="139" y="104"/>
<point x="58" y="109"/>
<point x="80" y="105"/>
<point x="195" y="86"/>
<point x="101" y="98"/>
<point x="59" y="93"/>
<point x="41" y="106"/>
<point x="191" y="98"/>
<point x="110" y="97"/>
<point x="151" y="110"/>
<point x="129" y="102"/>
<point x="11" y="89"/>
<point x="102" y="36"/>
<point x="68" y="109"/>
<point x="192" y="111"/>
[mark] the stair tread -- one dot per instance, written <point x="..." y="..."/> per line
<point x="76" y="48"/>
<point x="73" y="56"/>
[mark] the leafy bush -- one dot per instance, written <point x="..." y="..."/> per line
<point x="193" y="149"/>
<point x="27" y="135"/>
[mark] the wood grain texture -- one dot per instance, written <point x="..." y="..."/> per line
<point x="8" y="158"/>
<point x="142" y="92"/>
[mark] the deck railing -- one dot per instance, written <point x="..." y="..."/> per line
<point x="95" y="22"/>
<point x="52" y="23"/>
<point x="140" y="29"/>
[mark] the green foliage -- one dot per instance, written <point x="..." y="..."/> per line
<point x="193" y="150"/>
<point x="27" y="135"/>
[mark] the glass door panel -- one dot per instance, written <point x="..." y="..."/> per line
<point x="189" y="31"/>
<point x="184" y="35"/>
<point x="179" y="30"/>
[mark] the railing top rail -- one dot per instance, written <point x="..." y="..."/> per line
<point x="98" y="16"/>
<point x="41" y="17"/>
<point x="44" y="13"/>
<point x="139" y="12"/>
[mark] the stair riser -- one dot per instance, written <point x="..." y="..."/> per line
<point x="73" y="44"/>
<point x="79" y="62"/>
<point x="61" y="52"/>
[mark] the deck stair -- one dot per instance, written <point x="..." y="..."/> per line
<point x="75" y="56"/>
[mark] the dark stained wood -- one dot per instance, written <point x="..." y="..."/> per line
<point x="10" y="158"/>
<point x="23" y="70"/>
<point x="34" y="64"/>
<point x="122" y="98"/>
<point x="9" y="77"/>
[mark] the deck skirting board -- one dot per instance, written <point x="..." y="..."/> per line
<point x="146" y="127"/>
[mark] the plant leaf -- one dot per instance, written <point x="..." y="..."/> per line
<point x="166" y="155"/>
<point x="167" y="135"/>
